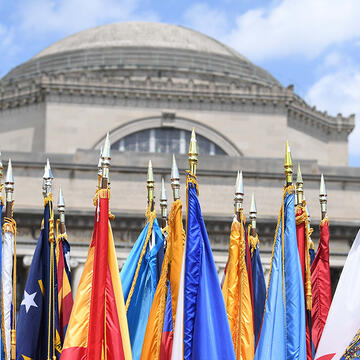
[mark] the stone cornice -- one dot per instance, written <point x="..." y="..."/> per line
<point x="220" y="94"/>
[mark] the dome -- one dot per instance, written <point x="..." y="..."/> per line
<point x="139" y="34"/>
<point x="150" y="48"/>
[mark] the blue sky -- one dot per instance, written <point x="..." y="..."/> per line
<point x="313" y="44"/>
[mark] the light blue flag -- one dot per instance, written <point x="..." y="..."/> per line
<point x="283" y="330"/>
<point x="206" y="328"/>
<point x="145" y="287"/>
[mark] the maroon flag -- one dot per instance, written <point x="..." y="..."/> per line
<point x="321" y="284"/>
<point x="302" y="234"/>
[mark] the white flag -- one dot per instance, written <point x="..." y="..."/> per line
<point x="7" y="285"/>
<point x="343" y="320"/>
<point x="178" y="342"/>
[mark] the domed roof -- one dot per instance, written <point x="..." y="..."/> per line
<point x="139" y="34"/>
<point x="151" y="48"/>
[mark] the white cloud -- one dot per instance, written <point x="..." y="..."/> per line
<point x="201" y="17"/>
<point x="339" y="91"/>
<point x="293" y="27"/>
<point x="68" y="16"/>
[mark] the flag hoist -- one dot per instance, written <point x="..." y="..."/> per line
<point x="236" y="287"/>
<point x="98" y="326"/>
<point x="158" y="341"/>
<point x="141" y="271"/>
<point x="283" y="331"/>
<point x="201" y="329"/>
<point x="258" y="278"/>
<point x="9" y="268"/>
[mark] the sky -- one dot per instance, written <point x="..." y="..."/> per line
<point x="312" y="44"/>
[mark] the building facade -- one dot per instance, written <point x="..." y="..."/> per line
<point x="148" y="85"/>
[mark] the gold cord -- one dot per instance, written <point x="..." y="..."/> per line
<point x="301" y="217"/>
<point x="253" y="240"/>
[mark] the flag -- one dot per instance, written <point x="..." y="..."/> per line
<point x="159" y="331"/>
<point x="312" y="252"/>
<point x="303" y="242"/>
<point x="9" y="230"/>
<point x="64" y="283"/>
<point x="139" y="277"/>
<point x="6" y="281"/>
<point x="237" y="296"/>
<point x="282" y="334"/>
<point x="206" y="328"/>
<point x="178" y="339"/>
<point x="37" y="335"/>
<point x="343" y="321"/>
<point x="353" y="350"/>
<point x="168" y="330"/>
<point x="259" y="286"/>
<point x="98" y="327"/>
<point x="321" y="284"/>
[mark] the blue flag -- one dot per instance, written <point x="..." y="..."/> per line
<point x="259" y="290"/>
<point x="33" y="338"/>
<point x="206" y="328"/>
<point x="139" y="304"/>
<point x="283" y="329"/>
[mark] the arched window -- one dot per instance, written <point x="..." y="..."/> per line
<point x="165" y="140"/>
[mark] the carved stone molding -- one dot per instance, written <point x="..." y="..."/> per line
<point x="173" y="93"/>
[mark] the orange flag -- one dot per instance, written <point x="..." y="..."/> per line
<point x="236" y="291"/>
<point x="156" y="346"/>
<point x="98" y="325"/>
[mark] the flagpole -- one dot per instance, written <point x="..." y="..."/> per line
<point x="253" y="215"/>
<point x="299" y="187"/>
<point x="239" y="196"/>
<point x="61" y="211"/>
<point x="105" y="163"/>
<point x="150" y="186"/>
<point x="323" y="197"/>
<point x="100" y="169"/>
<point x="288" y="165"/>
<point x="47" y="192"/>
<point x="175" y="180"/>
<point x="193" y="154"/>
<point x="9" y="190"/>
<point x="163" y="204"/>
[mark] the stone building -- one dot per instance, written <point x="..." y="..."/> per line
<point x="149" y="84"/>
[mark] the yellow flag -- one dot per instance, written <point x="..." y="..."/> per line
<point x="170" y="270"/>
<point x="236" y="291"/>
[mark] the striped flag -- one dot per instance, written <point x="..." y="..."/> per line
<point x="98" y="327"/>
<point x="64" y="283"/>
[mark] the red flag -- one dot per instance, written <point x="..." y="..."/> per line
<point x="321" y="284"/>
<point x="98" y="326"/>
<point x="302" y="234"/>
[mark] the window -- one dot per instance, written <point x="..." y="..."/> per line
<point x="165" y="140"/>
